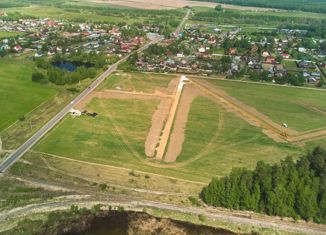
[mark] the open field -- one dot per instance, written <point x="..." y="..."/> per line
<point x="97" y="13"/>
<point x="301" y="109"/>
<point x="57" y="13"/>
<point x="117" y="136"/>
<point x="18" y="94"/>
<point x="171" y="4"/>
<point x="139" y="82"/>
<point x="118" y="133"/>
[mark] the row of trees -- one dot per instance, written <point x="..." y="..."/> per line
<point x="62" y="77"/>
<point x="289" y="189"/>
<point x="301" y="5"/>
<point x="316" y="27"/>
<point x="80" y="57"/>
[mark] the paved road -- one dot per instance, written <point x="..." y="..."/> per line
<point x="20" y="151"/>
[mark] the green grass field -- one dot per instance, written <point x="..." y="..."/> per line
<point x="140" y="82"/>
<point x="117" y="136"/>
<point x="83" y="14"/>
<point x="5" y="34"/>
<point x="57" y="13"/>
<point x="215" y="140"/>
<point x="18" y="94"/>
<point x="301" y="109"/>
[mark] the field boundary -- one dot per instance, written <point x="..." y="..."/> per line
<point x="273" y="130"/>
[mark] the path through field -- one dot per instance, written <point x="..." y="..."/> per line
<point x="169" y="123"/>
<point x="273" y="130"/>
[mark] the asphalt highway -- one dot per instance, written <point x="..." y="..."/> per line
<point x="20" y="151"/>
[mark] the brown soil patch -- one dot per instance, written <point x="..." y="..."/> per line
<point x="178" y="133"/>
<point x="169" y="122"/>
<point x="313" y="108"/>
<point x="172" y="4"/>
<point x="309" y="136"/>
<point x="170" y="90"/>
<point x="159" y="117"/>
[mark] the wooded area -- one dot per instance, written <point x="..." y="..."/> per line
<point x="289" y="189"/>
<point x="302" y="5"/>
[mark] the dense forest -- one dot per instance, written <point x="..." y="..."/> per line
<point x="290" y="189"/>
<point x="299" y="5"/>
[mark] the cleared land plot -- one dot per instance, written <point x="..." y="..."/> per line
<point x="140" y="82"/>
<point x="18" y="94"/>
<point x="295" y="106"/>
<point x="117" y="135"/>
<point x="215" y="140"/>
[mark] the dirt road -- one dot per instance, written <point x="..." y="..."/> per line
<point x="168" y="125"/>
<point x="251" y="115"/>
<point x="240" y="218"/>
<point x="178" y="133"/>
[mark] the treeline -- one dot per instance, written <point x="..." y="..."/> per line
<point x="80" y="57"/>
<point x="87" y="65"/>
<point x="62" y="77"/>
<point x="299" y="5"/>
<point x="316" y="27"/>
<point x="167" y="20"/>
<point x="289" y="189"/>
<point x="11" y="4"/>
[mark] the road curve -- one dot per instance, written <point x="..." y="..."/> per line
<point x="20" y="151"/>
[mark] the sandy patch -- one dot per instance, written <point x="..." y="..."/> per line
<point x="162" y="146"/>
<point x="159" y="117"/>
<point x="178" y="133"/>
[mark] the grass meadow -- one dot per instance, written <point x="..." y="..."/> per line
<point x="215" y="140"/>
<point x="116" y="136"/>
<point x="140" y="82"/>
<point x="302" y="109"/>
<point x="18" y="94"/>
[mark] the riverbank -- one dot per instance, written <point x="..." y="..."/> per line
<point x="111" y="221"/>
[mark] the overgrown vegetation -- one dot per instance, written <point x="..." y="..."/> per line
<point x="301" y="5"/>
<point x="315" y="26"/>
<point x="86" y="65"/>
<point x="289" y="189"/>
<point x="14" y="194"/>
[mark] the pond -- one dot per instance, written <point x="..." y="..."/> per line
<point x="70" y="66"/>
<point x="124" y="223"/>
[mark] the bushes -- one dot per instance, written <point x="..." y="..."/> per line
<point x="291" y="189"/>
<point x="39" y="77"/>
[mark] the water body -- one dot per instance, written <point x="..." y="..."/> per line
<point x="127" y="223"/>
<point x="70" y="66"/>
